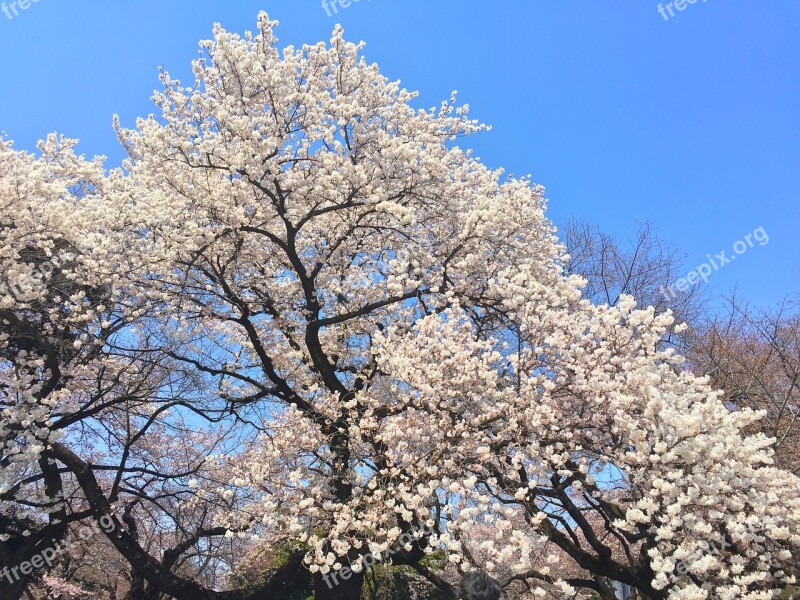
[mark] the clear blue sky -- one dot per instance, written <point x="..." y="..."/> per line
<point x="692" y="123"/>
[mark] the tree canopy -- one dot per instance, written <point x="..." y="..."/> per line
<point x="302" y="319"/>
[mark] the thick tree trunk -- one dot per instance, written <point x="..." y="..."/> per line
<point x="334" y="587"/>
<point x="15" y="590"/>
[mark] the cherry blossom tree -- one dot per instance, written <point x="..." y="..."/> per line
<point x="50" y="309"/>
<point x="306" y="319"/>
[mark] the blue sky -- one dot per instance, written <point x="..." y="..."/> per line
<point x="692" y="123"/>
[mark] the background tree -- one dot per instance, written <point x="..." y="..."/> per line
<point x="754" y="356"/>
<point x="645" y="267"/>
